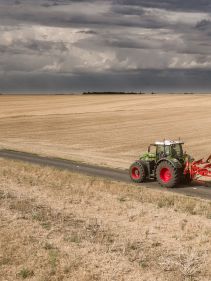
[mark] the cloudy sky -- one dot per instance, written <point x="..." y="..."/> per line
<point x="127" y="45"/>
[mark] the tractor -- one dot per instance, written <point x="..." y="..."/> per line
<point x="167" y="163"/>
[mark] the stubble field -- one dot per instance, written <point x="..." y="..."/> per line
<point x="104" y="130"/>
<point x="60" y="226"/>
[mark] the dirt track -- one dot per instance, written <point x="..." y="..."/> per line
<point x="194" y="190"/>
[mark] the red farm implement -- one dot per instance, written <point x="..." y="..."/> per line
<point x="199" y="170"/>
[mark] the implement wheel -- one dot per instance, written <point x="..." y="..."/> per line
<point x="167" y="175"/>
<point x="137" y="172"/>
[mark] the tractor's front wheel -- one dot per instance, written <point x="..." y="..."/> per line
<point x="167" y="175"/>
<point x="137" y="172"/>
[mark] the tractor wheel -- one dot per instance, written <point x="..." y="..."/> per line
<point x="138" y="172"/>
<point x="167" y="175"/>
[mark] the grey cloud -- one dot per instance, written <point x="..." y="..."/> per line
<point x="174" y="5"/>
<point x="115" y="45"/>
<point x="41" y="46"/>
<point x="128" y="10"/>
<point x="203" y="25"/>
<point x="92" y="32"/>
<point x="38" y="15"/>
<point x="52" y="3"/>
<point x="119" y="15"/>
<point x="33" y="46"/>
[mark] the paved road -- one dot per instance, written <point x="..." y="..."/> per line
<point x="195" y="189"/>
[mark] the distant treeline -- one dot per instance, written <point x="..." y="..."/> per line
<point x="114" y="93"/>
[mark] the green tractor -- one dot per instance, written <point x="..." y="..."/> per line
<point x="165" y="162"/>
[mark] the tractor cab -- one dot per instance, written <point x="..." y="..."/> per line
<point x="166" y="149"/>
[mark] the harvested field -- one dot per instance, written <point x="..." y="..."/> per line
<point x="105" y="130"/>
<point x="58" y="225"/>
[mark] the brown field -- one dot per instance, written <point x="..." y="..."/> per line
<point x="105" y="130"/>
<point x="59" y="226"/>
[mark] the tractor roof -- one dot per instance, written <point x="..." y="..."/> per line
<point x="168" y="142"/>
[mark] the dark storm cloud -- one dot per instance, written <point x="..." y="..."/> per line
<point x="189" y="80"/>
<point x="88" y="45"/>
<point x="128" y="10"/>
<point x="204" y="25"/>
<point x="36" y="14"/>
<point x="31" y="46"/>
<point x="33" y="12"/>
<point x="174" y="5"/>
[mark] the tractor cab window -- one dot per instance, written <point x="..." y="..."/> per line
<point x="152" y="149"/>
<point x="163" y="151"/>
<point x="176" y="150"/>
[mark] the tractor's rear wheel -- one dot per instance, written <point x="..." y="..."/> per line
<point x="167" y="175"/>
<point x="138" y="172"/>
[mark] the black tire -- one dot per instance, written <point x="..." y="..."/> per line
<point x="137" y="172"/>
<point x="167" y="175"/>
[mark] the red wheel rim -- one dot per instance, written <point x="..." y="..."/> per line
<point x="135" y="173"/>
<point x="165" y="175"/>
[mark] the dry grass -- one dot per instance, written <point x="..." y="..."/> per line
<point x="56" y="225"/>
<point x="105" y="130"/>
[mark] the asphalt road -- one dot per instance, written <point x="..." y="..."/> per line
<point x="194" y="190"/>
